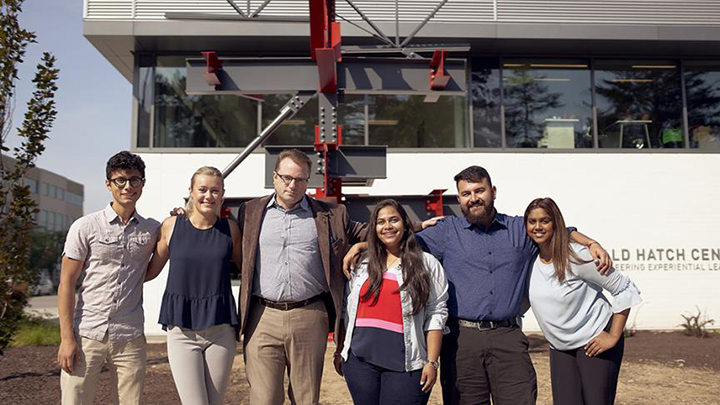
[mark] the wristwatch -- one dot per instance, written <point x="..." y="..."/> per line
<point x="434" y="363"/>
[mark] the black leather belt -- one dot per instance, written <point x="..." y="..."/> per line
<point x="487" y="325"/>
<point x="286" y="305"/>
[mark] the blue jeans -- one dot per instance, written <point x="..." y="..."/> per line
<point x="371" y="384"/>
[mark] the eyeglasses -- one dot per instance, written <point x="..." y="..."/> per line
<point x="289" y="179"/>
<point x="120" y="182"/>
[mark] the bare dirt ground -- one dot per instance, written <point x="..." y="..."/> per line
<point x="659" y="368"/>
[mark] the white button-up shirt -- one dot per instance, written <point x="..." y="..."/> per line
<point x="432" y="317"/>
<point x="115" y="256"/>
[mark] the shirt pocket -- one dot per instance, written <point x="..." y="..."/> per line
<point x="140" y="245"/>
<point x="509" y="258"/>
<point x="108" y="248"/>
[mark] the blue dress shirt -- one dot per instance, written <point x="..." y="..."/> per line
<point x="487" y="269"/>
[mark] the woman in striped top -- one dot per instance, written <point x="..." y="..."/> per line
<point x="394" y="316"/>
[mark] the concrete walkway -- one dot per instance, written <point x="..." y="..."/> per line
<point x="44" y="306"/>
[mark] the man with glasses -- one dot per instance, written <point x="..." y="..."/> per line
<point x="292" y="283"/>
<point x="111" y="248"/>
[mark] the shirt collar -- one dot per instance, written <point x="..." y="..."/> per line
<point x="304" y="205"/>
<point x="112" y="216"/>
<point x="500" y="219"/>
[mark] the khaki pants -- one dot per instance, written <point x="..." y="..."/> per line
<point x="126" y="362"/>
<point x="276" y="339"/>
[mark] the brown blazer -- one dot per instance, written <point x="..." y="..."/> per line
<point x="336" y="233"/>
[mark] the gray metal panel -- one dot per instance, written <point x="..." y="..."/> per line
<point x="355" y="76"/>
<point x="399" y="76"/>
<point x="360" y="207"/>
<point x="254" y="76"/>
<point x="352" y="163"/>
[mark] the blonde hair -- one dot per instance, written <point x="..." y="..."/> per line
<point x="204" y="171"/>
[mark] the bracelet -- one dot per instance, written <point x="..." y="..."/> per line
<point x="590" y="244"/>
<point x="336" y="355"/>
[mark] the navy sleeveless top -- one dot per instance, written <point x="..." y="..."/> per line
<point x="198" y="294"/>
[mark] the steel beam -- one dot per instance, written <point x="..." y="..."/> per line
<point x="232" y="3"/>
<point x="355" y="165"/>
<point x="355" y="76"/>
<point x="287" y="111"/>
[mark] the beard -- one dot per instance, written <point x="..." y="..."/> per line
<point x="479" y="218"/>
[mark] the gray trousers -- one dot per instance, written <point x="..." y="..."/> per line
<point x="201" y="362"/>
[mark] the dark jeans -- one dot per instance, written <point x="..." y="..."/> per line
<point x="478" y="365"/>
<point x="581" y="380"/>
<point x="371" y="385"/>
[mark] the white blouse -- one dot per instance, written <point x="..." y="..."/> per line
<point x="573" y="312"/>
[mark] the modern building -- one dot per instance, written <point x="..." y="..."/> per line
<point x="59" y="199"/>
<point x="612" y="108"/>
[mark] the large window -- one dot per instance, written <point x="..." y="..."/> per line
<point x="298" y="130"/>
<point x="702" y="84"/>
<point x="182" y="120"/>
<point x="548" y="103"/>
<point x="170" y="118"/>
<point x="485" y="93"/>
<point x="639" y="104"/>
<point x="515" y="102"/>
<point x="409" y="122"/>
<point x="143" y="91"/>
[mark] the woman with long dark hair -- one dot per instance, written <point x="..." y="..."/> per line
<point x="394" y="315"/>
<point x="584" y="330"/>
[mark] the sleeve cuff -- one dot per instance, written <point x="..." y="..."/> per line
<point x="436" y="322"/>
<point x="627" y="298"/>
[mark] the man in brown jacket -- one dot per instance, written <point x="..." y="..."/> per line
<point x="292" y="283"/>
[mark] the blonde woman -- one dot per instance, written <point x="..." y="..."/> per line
<point x="198" y="310"/>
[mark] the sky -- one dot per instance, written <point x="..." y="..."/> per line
<point x="94" y="101"/>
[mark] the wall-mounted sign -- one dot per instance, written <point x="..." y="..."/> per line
<point x="666" y="259"/>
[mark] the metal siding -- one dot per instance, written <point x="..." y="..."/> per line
<point x="611" y="11"/>
<point x="109" y="9"/>
<point x="660" y="12"/>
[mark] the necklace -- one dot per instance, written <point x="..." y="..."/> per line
<point x="392" y="263"/>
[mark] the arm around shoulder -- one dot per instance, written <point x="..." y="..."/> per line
<point x="237" y="243"/>
<point x="625" y="293"/>
<point x="355" y="231"/>
<point x="162" y="249"/>
<point x="436" y="311"/>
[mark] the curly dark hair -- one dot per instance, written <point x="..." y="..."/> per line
<point x="125" y="161"/>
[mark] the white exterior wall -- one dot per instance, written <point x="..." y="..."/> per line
<point x="632" y="201"/>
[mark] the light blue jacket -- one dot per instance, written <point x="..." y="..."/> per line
<point x="431" y="317"/>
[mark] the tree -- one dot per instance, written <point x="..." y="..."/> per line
<point x="16" y="206"/>
<point x="527" y="97"/>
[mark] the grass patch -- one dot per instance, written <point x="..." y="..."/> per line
<point x="33" y="331"/>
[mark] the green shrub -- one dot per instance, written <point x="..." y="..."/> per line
<point x="33" y="331"/>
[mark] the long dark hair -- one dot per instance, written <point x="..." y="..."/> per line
<point x="562" y="252"/>
<point x="415" y="276"/>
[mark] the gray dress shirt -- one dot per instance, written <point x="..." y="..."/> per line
<point x="288" y="266"/>
<point x="115" y="257"/>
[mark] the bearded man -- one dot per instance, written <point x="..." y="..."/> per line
<point x="487" y="258"/>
